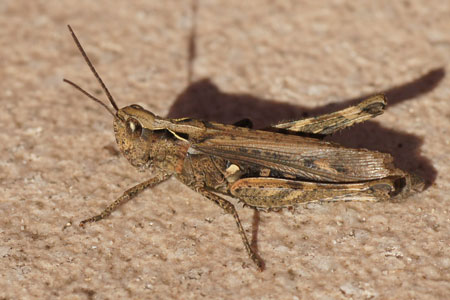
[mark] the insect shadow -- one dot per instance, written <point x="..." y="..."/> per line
<point x="204" y="100"/>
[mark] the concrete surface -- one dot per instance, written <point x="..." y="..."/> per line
<point x="218" y="60"/>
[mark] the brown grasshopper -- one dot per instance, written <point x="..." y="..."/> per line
<point x="270" y="169"/>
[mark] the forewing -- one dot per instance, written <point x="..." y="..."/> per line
<point x="304" y="157"/>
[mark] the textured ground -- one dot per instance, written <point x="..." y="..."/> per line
<point x="218" y="60"/>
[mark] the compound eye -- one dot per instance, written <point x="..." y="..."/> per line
<point x="136" y="106"/>
<point x="134" y="127"/>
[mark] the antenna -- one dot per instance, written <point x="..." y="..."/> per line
<point x="90" y="96"/>
<point x="91" y="66"/>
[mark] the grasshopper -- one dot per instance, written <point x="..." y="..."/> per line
<point x="270" y="169"/>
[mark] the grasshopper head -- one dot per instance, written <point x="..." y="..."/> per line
<point x="134" y="127"/>
<point x="134" y="136"/>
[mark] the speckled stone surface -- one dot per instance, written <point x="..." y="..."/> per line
<point x="222" y="61"/>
